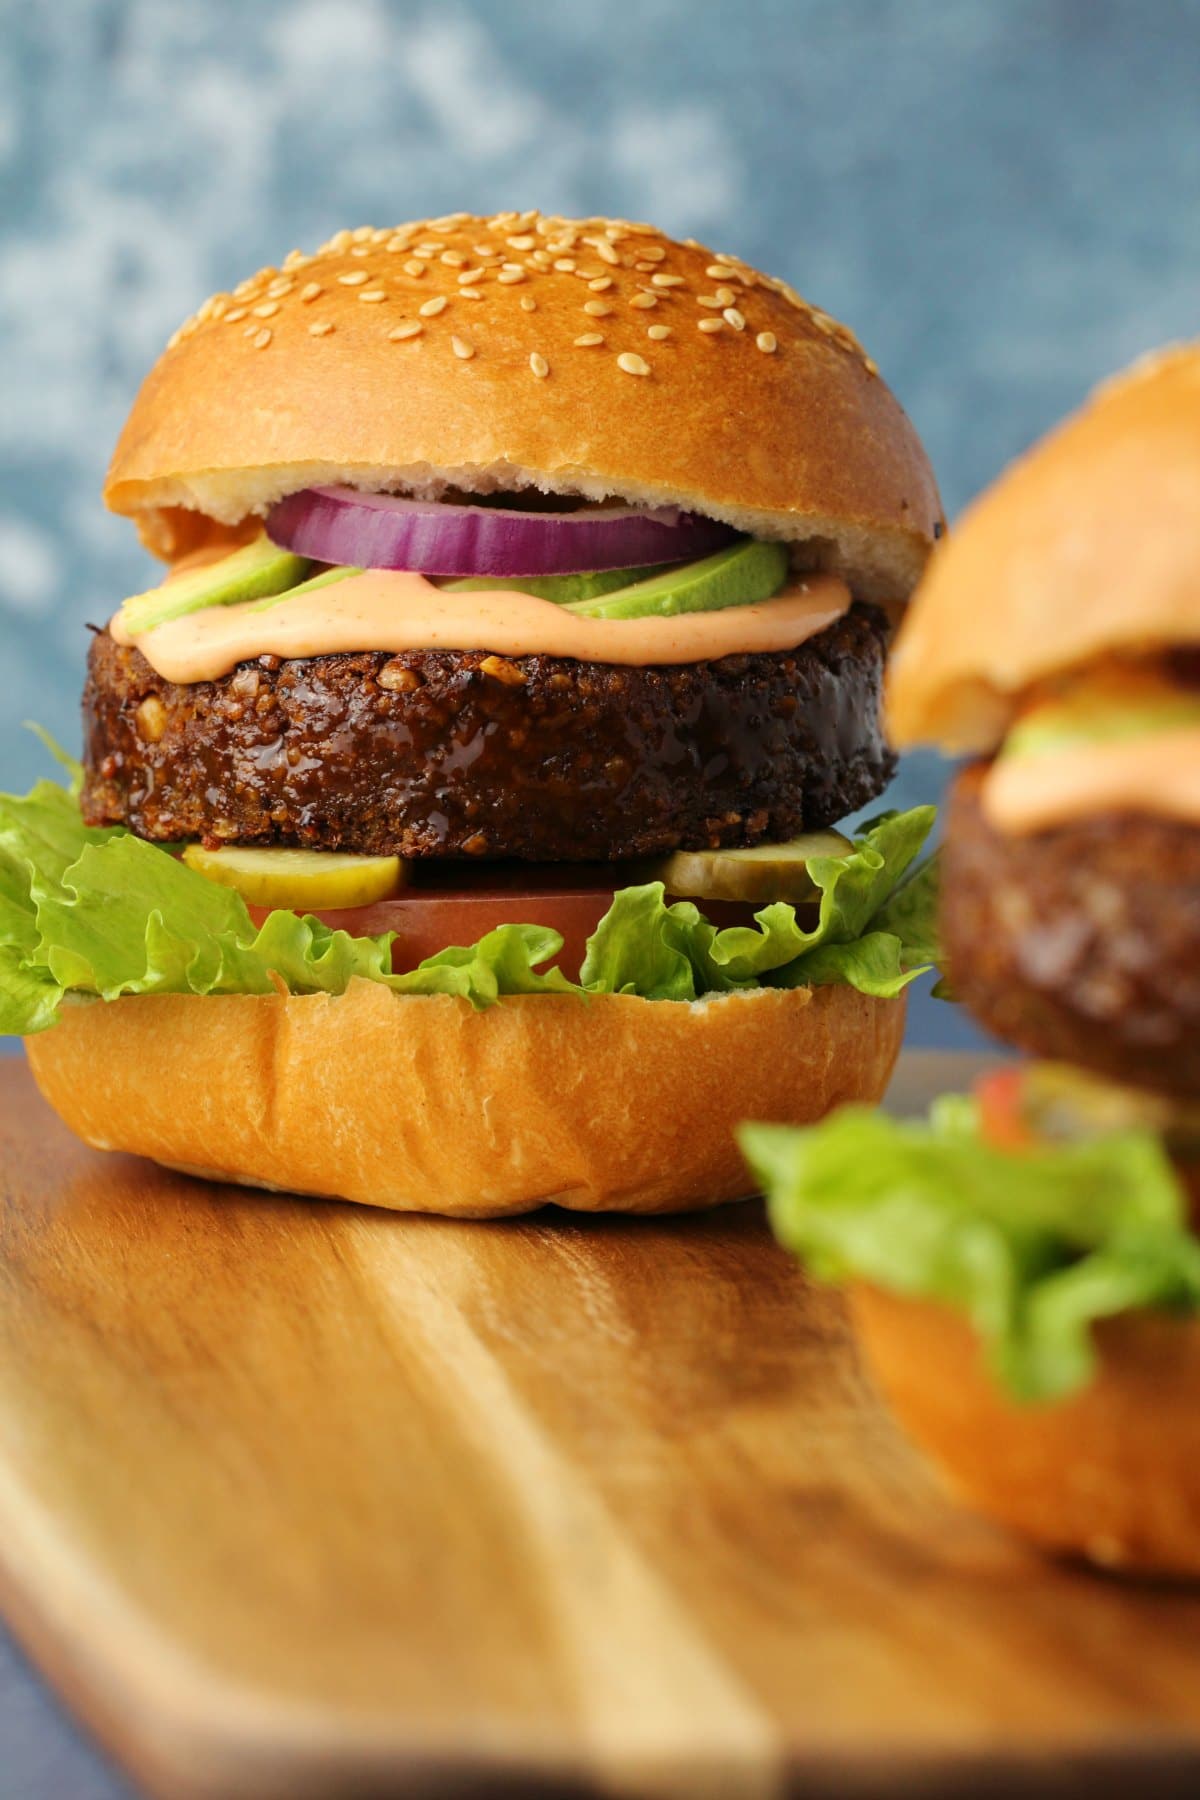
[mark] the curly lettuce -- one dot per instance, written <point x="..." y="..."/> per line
<point x="1034" y="1247"/>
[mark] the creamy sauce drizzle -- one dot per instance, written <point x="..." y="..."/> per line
<point x="384" y="610"/>
<point x="1158" y="774"/>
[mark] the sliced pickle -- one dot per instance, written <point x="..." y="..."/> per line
<point x="299" y="880"/>
<point x="1063" y="1103"/>
<point x="762" y="873"/>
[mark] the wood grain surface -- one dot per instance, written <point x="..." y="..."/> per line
<point x="299" y="1500"/>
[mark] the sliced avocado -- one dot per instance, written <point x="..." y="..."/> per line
<point x="326" y="578"/>
<point x="1102" y="712"/>
<point x="747" y="571"/>
<point x="762" y="873"/>
<point x="299" y="880"/>
<point x="562" y="589"/>
<point x="258" y="568"/>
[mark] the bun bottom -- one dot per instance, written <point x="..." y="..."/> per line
<point x="1112" y="1474"/>
<point x="420" y="1104"/>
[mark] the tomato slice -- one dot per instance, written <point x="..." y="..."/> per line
<point x="427" y="919"/>
<point x="1002" y="1120"/>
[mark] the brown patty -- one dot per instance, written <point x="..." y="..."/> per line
<point x="447" y="753"/>
<point x="1082" y="943"/>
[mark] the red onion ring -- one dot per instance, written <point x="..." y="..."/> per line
<point x="381" y="531"/>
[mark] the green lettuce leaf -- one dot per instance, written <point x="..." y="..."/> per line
<point x="100" y="914"/>
<point x="1033" y="1247"/>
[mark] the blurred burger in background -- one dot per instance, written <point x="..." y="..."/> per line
<point x="456" y="822"/>
<point x="1056" y="640"/>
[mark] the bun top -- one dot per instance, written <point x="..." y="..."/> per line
<point x="576" y="356"/>
<point x="1088" y="546"/>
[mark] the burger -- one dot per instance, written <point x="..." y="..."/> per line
<point x="455" y="824"/>
<point x="1024" y="1267"/>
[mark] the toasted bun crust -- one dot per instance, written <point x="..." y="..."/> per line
<point x="1112" y="1474"/>
<point x="422" y="1105"/>
<point x="1088" y="546"/>
<point x="296" y="379"/>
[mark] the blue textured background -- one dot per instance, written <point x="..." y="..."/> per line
<point x="1001" y="196"/>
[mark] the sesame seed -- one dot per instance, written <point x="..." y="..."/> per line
<point x="310" y="290"/>
<point x="262" y="338"/>
<point x="601" y="284"/>
<point x="354" y="278"/>
<point x="539" y="365"/>
<point x="320" y="328"/>
<point x="361" y="233"/>
<point x="565" y="265"/>
<point x="295" y="259"/>
<point x="643" y="268"/>
<point x="665" y="281"/>
<point x="870" y="365"/>
<point x="719" y="272"/>
<point x="766" y="340"/>
<point x="484" y="250"/>
<point x="541" y="259"/>
<point x="244" y="289"/>
<point x="711" y="324"/>
<point x="468" y="277"/>
<point x="250" y="329"/>
<point x="733" y="317"/>
<point x="462" y="349"/>
<point x="414" y="268"/>
<point x="709" y="300"/>
<point x="726" y="296"/>
<point x="267" y="310"/>
<point x="508" y="276"/>
<point x="470" y="293"/>
<point x="588" y="339"/>
<point x="453" y="259"/>
<point x="279" y="288"/>
<point x="632" y="364"/>
<point x="432" y="308"/>
<point x="604" y="250"/>
<point x="659" y="332"/>
<point x="644" y="300"/>
<point x="653" y="253"/>
<point x="360" y="249"/>
<point x="396" y="246"/>
<point x="372" y="294"/>
<point x="234" y="314"/>
<point x="521" y="243"/>
<point x="528" y="303"/>
<point x="599" y="309"/>
<point x="407" y="328"/>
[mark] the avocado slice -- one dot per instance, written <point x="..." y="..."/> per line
<point x="762" y="873"/>
<point x="1103" y="712"/>
<point x="299" y="880"/>
<point x="258" y="568"/>
<point x="562" y="589"/>
<point x="327" y="578"/>
<point x="747" y="571"/>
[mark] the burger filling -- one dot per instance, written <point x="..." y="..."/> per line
<point x="461" y="748"/>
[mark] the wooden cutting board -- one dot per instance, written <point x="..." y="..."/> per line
<point x="299" y="1500"/>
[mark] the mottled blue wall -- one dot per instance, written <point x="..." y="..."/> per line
<point x="1001" y="196"/>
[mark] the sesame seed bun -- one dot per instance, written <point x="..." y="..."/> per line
<point x="1088" y="546"/>
<point x="587" y="357"/>
<point x="1111" y="1474"/>
<point x="420" y="1104"/>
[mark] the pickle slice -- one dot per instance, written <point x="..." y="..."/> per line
<point x="764" y="872"/>
<point x="299" y="880"/>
